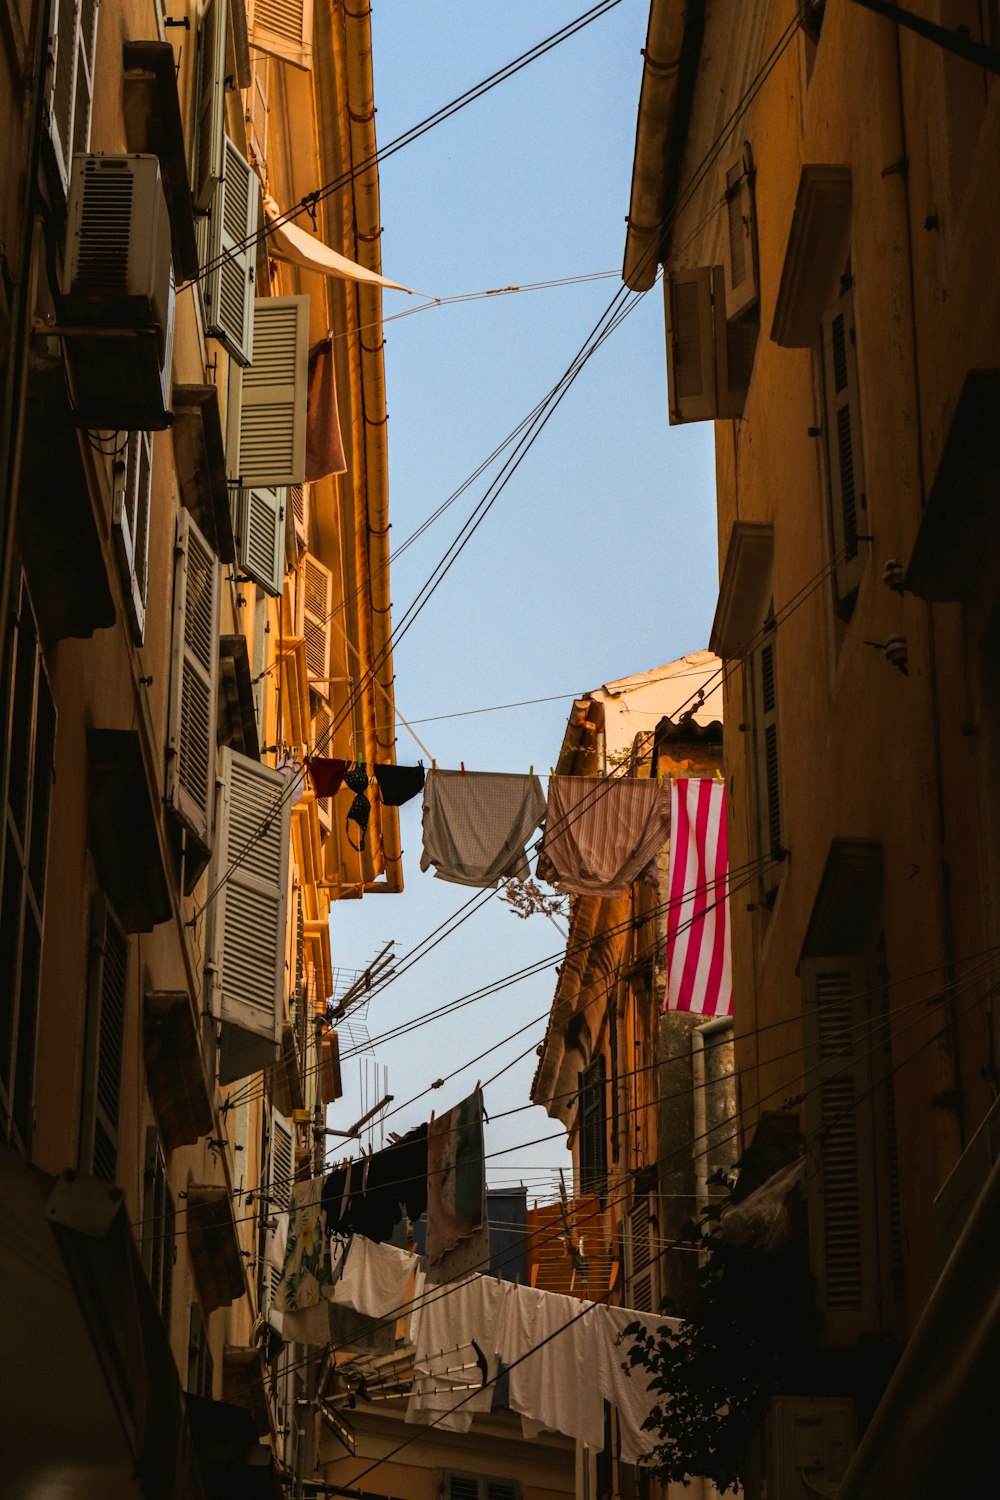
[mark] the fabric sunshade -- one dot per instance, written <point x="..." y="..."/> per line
<point x="288" y="242"/>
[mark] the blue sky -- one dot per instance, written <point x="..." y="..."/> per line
<point x="599" y="558"/>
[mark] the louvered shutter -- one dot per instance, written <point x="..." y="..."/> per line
<point x="691" y="345"/>
<point x="735" y="350"/>
<point x="210" y="165"/>
<point x="768" y="755"/>
<point x="641" y="1260"/>
<point x="259" y="523"/>
<point x="72" y="45"/>
<point x="281" y="1170"/>
<point x="283" y="28"/>
<point x="593" y="1150"/>
<point x="249" y="876"/>
<point x="842" y="429"/>
<point x="273" y="415"/>
<point x="739" y="239"/>
<point x="502" y="1489"/>
<point x="315" y="609"/>
<point x="102" y="1070"/>
<point x="462" y="1487"/>
<point x="844" y="1237"/>
<point x="130" y="515"/>
<point x="191" y="733"/>
<point x="228" y="252"/>
<point x="322" y="723"/>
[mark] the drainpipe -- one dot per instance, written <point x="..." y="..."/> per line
<point x="903" y="323"/>
<point x="12" y="411"/>
<point x="372" y="511"/>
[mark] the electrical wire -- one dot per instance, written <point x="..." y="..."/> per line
<point x="415" y="132"/>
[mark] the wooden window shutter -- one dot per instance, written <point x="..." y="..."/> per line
<point x="83" y="83"/>
<point x="228" y="255"/>
<point x="259" y="523"/>
<point x="191" y="735"/>
<point x="105" y="1032"/>
<point x="641" y="1260"/>
<point x="315" y="610"/>
<point x="739" y="239"/>
<point x="462" y="1487"/>
<point x="691" y="345"/>
<point x="63" y="48"/>
<point x="210" y="164"/>
<point x="767" y="746"/>
<point x="159" y="1249"/>
<point x="250" y="876"/>
<point x="845" y="461"/>
<point x="502" y="1489"/>
<point x="282" y="1164"/>
<point x="593" y="1128"/>
<point x="130" y="516"/>
<point x="283" y="28"/>
<point x="273" y="416"/>
<point x="736" y="347"/>
<point x="843" y="1203"/>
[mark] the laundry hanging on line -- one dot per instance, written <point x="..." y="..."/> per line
<point x="327" y="776"/>
<point x="564" y="1357"/>
<point x="601" y="835"/>
<point x="476" y="825"/>
<point x="398" y="784"/>
<point x="699" y="971"/>
<point x="456" y="1177"/>
<point x="370" y="1195"/>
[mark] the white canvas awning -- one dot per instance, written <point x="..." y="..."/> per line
<point x="288" y="242"/>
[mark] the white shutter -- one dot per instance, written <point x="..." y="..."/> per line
<point x="209" y="166"/>
<point x="322" y="723"/>
<point x="281" y="1166"/>
<point x="72" y="47"/>
<point x="130" y="516"/>
<point x="273" y="414"/>
<point x="259" y="523"/>
<point x="315" y="608"/>
<point x="250" y="877"/>
<point x="691" y="345"/>
<point x="842" y="430"/>
<point x="228" y="254"/>
<point x="739" y="239"/>
<point x="191" y="732"/>
<point x="283" y="28"/>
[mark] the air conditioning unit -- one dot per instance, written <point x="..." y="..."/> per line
<point x="117" y="281"/>
<point x="810" y="1442"/>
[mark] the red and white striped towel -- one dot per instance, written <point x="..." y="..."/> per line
<point x="699" y="976"/>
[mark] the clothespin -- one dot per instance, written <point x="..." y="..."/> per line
<point x="531" y="770"/>
<point x="718" y="775"/>
<point x="434" y="765"/>
<point x="462" y="764"/>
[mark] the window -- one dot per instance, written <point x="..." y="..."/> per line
<point x="191" y="733"/>
<point x="712" y="313"/>
<point x="855" y="1228"/>
<point x="72" y="46"/>
<point x="767" y="759"/>
<point x="844" y="457"/>
<point x="479" y="1487"/>
<point x="200" y="1371"/>
<point x="133" y="479"/>
<point x="247" y="936"/>
<point x="158" y="1225"/>
<point x="592" y="1122"/>
<point x="227" y="250"/>
<point x="30" y="734"/>
<point x="102" y="1065"/>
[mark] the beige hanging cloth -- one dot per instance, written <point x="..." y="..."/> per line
<point x="288" y="242"/>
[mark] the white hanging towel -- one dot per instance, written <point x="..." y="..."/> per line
<point x="555" y="1388"/>
<point x="376" y="1279"/>
<point x="626" y="1385"/>
<point x="477" y="823"/>
<point x="454" y="1329"/>
<point x="287" y="241"/>
<point x="601" y="835"/>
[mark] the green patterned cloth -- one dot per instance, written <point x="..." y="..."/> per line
<point x="307" y="1275"/>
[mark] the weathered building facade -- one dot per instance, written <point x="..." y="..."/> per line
<point x="818" y="184"/>
<point x="192" y="603"/>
